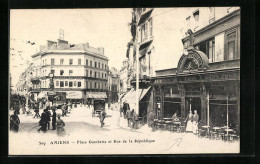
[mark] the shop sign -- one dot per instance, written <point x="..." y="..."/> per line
<point x="223" y="76"/>
<point x="74" y="95"/>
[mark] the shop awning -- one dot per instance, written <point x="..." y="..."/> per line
<point x="96" y="95"/>
<point x="51" y="93"/>
<point x="131" y="95"/>
<point x="145" y="16"/>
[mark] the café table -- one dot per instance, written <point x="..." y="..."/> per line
<point x="206" y="127"/>
<point x="167" y="119"/>
<point x="168" y="125"/>
<point x="228" y="130"/>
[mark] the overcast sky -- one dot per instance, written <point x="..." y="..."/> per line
<point x="106" y="28"/>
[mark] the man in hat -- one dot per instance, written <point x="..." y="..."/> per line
<point x="128" y="116"/>
<point x="43" y="122"/>
<point x="134" y="119"/>
<point x="53" y="119"/>
<point x="36" y="110"/>
<point x="102" y="116"/>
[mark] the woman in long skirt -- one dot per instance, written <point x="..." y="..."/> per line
<point x="60" y="126"/>
<point x="189" y="121"/>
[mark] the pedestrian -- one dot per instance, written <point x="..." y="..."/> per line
<point x="124" y="109"/>
<point x="36" y="110"/>
<point x="14" y="122"/>
<point x="93" y="113"/>
<point x="195" y="122"/>
<point x="63" y="110"/>
<point x="151" y="118"/>
<point x="47" y="104"/>
<point x="43" y="122"/>
<point x="189" y="121"/>
<point x="102" y="116"/>
<point x="16" y="108"/>
<point x="60" y="126"/>
<point x="128" y="116"/>
<point x="23" y="108"/>
<point x="66" y="109"/>
<point x="135" y="119"/>
<point x="53" y="119"/>
<point x="121" y="110"/>
<point x="48" y="118"/>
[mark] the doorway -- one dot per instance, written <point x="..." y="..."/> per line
<point x="195" y="104"/>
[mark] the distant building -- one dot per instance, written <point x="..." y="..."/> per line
<point x="24" y="84"/>
<point x="113" y="85"/>
<point x="79" y="70"/>
<point x="124" y="77"/>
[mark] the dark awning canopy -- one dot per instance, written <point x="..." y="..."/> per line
<point x="96" y="95"/>
<point x="145" y="16"/>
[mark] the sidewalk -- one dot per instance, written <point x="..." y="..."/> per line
<point x="143" y="129"/>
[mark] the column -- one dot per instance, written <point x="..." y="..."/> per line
<point x="161" y="101"/>
<point x="238" y="102"/>
<point x="183" y="102"/>
<point x="203" y="103"/>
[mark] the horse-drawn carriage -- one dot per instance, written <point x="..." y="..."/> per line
<point x="99" y="105"/>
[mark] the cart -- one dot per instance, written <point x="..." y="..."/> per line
<point x="99" y="104"/>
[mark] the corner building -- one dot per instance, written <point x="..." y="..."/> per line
<point x="79" y="70"/>
<point x="207" y="78"/>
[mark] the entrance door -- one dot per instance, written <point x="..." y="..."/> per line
<point x="195" y="104"/>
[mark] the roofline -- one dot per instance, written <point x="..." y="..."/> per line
<point x="82" y="52"/>
<point x="197" y="72"/>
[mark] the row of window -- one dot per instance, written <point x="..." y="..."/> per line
<point x="88" y="73"/>
<point x="62" y="84"/>
<point x="96" y="74"/>
<point x="231" y="52"/>
<point x="96" y="85"/>
<point x="88" y="63"/>
<point x="89" y="84"/>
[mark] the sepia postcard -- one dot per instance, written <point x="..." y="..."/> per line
<point x="124" y="81"/>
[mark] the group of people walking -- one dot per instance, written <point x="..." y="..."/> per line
<point x="130" y="115"/>
<point x="56" y="123"/>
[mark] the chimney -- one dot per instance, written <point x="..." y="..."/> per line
<point x="50" y="44"/>
<point x="101" y="49"/>
<point x="62" y="42"/>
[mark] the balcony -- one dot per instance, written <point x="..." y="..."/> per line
<point x="35" y="79"/>
<point x="144" y="81"/>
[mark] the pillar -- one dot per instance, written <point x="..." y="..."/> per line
<point x="238" y="102"/>
<point x="183" y="102"/>
<point x="161" y="101"/>
<point x="203" y="98"/>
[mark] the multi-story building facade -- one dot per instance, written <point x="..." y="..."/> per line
<point x="207" y="78"/>
<point x="123" y="74"/>
<point x="113" y="85"/>
<point x="24" y="84"/>
<point x="79" y="70"/>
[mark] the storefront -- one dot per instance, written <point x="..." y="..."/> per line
<point x="90" y="96"/>
<point x="76" y="97"/>
<point x="145" y="100"/>
<point x="210" y="88"/>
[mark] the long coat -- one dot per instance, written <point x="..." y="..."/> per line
<point x="14" y="122"/>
